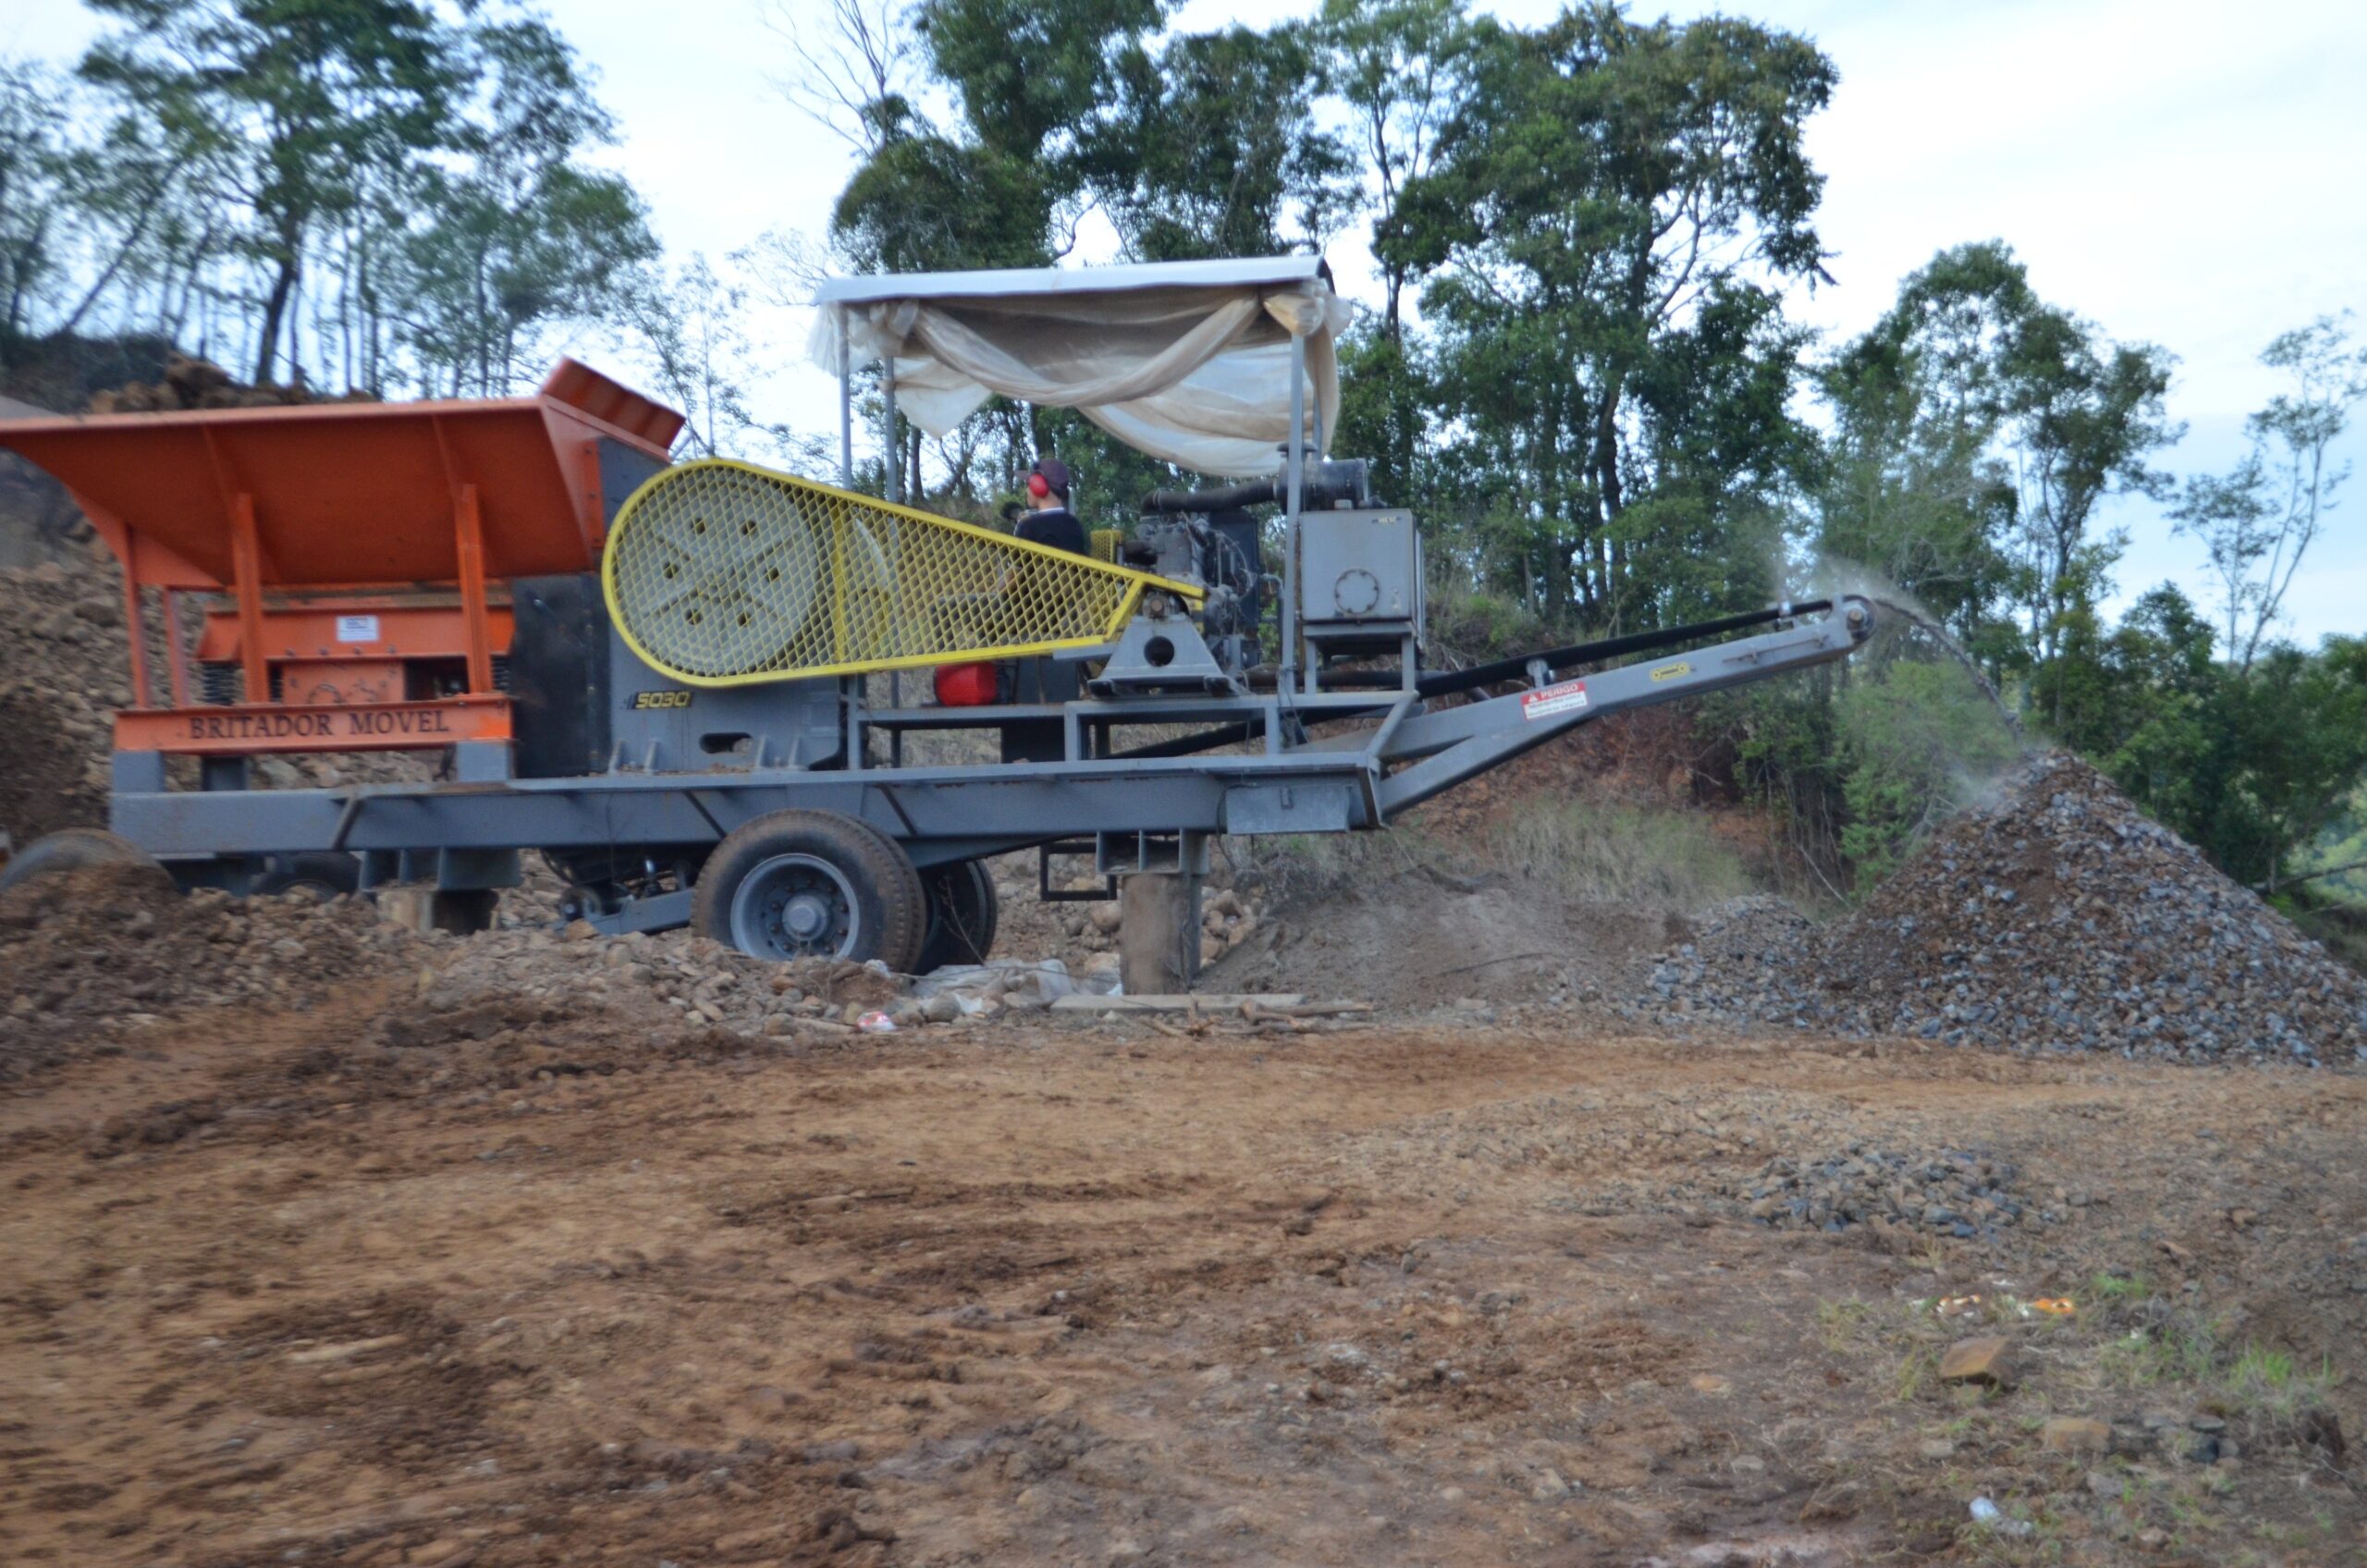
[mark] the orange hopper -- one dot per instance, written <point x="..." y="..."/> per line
<point x="358" y="541"/>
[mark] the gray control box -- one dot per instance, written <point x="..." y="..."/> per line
<point x="1360" y="569"/>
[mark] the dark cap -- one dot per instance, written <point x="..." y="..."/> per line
<point x="1056" y="475"/>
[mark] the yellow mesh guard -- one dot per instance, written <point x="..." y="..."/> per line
<point x="1105" y="544"/>
<point x="721" y="573"/>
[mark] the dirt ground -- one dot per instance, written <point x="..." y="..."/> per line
<point x="343" y="1286"/>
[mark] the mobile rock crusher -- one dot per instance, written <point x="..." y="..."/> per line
<point x="684" y="684"/>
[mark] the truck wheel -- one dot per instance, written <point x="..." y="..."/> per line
<point x="72" y="848"/>
<point x="813" y="884"/>
<point x="961" y="914"/>
<point x="325" y="872"/>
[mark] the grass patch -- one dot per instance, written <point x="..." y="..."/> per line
<point x="2191" y="1351"/>
<point x="2145" y="1358"/>
<point x="1583" y="852"/>
<point x="2120" y="1287"/>
<point x="2273" y="1381"/>
<point x="1839" y="1323"/>
<point x="1916" y="1372"/>
<point x="1613" y="852"/>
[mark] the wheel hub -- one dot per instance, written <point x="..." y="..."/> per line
<point x="805" y="917"/>
<point x="795" y="906"/>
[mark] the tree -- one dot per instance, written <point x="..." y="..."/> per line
<point x="523" y="235"/>
<point x="1977" y="430"/>
<point x="1032" y="75"/>
<point x="2258" y="521"/>
<point x="854" y="81"/>
<point x="1602" y="186"/>
<point x="1401" y="67"/>
<point x="290" y="106"/>
<point x="1210" y="148"/>
<point x="1915" y="488"/>
<point x="33" y="190"/>
<point x="690" y="319"/>
<point x="2084" y="417"/>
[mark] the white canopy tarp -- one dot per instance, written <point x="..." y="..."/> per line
<point x="1197" y="373"/>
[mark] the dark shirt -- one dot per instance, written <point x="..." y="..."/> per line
<point x="1059" y="528"/>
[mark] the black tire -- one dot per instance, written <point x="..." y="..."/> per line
<point x="963" y="912"/>
<point x="325" y="872"/>
<point x="73" y="849"/>
<point x="813" y="884"/>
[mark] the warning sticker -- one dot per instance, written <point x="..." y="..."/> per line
<point x="357" y="629"/>
<point x="1547" y="702"/>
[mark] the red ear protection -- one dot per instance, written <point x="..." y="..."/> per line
<point x="1038" y="487"/>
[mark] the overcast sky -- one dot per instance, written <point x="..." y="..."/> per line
<point x="2186" y="174"/>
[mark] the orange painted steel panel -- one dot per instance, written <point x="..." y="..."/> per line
<point x="340" y="682"/>
<point x="348" y="493"/>
<point x="249" y="729"/>
<point x="311" y="629"/>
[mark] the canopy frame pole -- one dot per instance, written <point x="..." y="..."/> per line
<point x="846" y="410"/>
<point x="891" y="443"/>
<point x="1294" y="465"/>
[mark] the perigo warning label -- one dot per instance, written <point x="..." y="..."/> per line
<point x="1547" y="702"/>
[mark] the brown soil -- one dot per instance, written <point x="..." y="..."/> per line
<point x="353" y="1285"/>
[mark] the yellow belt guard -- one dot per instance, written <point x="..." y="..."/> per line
<point x="721" y="573"/>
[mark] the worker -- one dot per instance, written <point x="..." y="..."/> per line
<point x="1049" y="520"/>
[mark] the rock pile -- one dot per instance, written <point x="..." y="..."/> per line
<point x="2054" y="916"/>
<point x="673" y="977"/>
<point x="1959" y="1193"/>
<point x="1228" y="917"/>
<point x="90" y="952"/>
<point x="94" y="954"/>
<point x="62" y="672"/>
<point x="201" y="384"/>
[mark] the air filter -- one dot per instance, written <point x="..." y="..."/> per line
<point x="721" y="573"/>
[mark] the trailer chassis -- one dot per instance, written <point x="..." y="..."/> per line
<point x="1143" y="812"/>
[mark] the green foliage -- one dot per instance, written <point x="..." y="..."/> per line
<point x="925" y="203"/>
<point x="2250" y="764"/>
<point x="381" y="192"/>
<point x="2339" y="856"/>
<point x="295" y="113"/>
<point x="1211" y="148"/>
<point x="523" y="237"/>
<point x="1031" y="74"/>
<point x="1608" y="215"/>
<point x="1918" y="743"/>
<point x="1976" y="430"/>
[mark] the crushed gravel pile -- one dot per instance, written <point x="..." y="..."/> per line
<point x="2055" y="916"/>
<point x="1961" y="1193"/>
